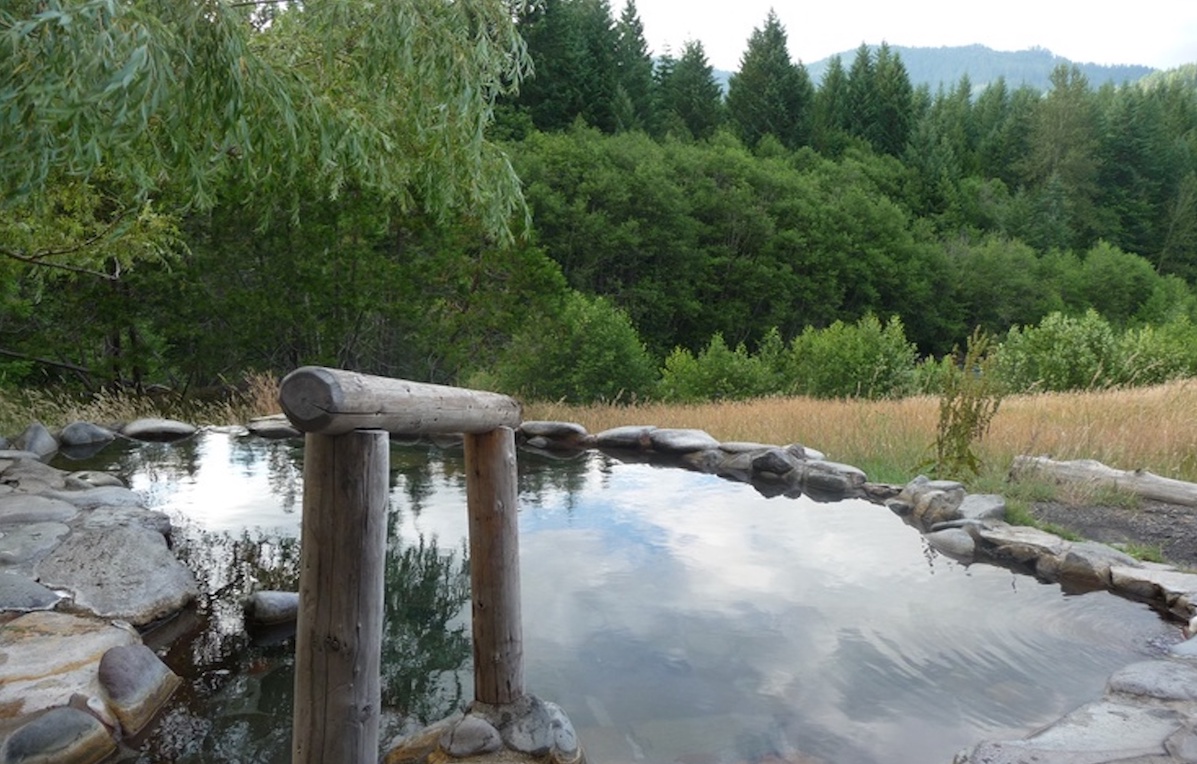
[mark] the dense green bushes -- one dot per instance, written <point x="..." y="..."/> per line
<point x="594" y="353"/>
<point x="1085" y="352"/>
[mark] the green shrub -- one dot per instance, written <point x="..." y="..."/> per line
<point x="719" y="373"/>
<point x="1154" y="354"/>
<point x="591" y="352"/>
<point x="861" y="360"/>
<point x="1062" y="353"/>
<point x="969" y="399"/>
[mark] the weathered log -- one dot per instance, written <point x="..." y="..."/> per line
<point x="494" y="566"/>
<point x="335" y="401"/>
<point x="338" y="644"/>
<point x="1139" y="482"/>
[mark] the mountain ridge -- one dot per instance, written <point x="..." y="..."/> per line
<point x="945" y="65"/>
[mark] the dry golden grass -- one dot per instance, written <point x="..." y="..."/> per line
<point x="256" y="395"/>
<point x="1152" y="428"/>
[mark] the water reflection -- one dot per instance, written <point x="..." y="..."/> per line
<point x="675" y="616"/>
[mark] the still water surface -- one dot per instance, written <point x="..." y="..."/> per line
<point x="676" y="617"/>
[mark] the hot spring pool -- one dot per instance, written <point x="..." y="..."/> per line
<point x="676" y="617"/>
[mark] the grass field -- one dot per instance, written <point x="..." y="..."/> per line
<point x="1153" y="428"/>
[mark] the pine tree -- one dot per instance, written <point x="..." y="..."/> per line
<point x="690" y="93"/>
<point x="770" y="94"/>
<point x="892" y="103"/>
<point x="634" y="66"/>
<point x="831" y="109"/>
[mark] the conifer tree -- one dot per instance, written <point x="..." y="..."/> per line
<point x="770" y="94"/>
<point x="634" y="66"/>
<point x="690" y="95"/>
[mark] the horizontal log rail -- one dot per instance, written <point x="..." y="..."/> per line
<point x="338" y="645"/>
<point x="335" y="401"/>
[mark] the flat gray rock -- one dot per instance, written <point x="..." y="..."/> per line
<point x="553" y="430"/>
<point x="121" y="572"/>
<point x="104" y="496"/>
<point x="274" y="427"/>
<point x="1154" y="582"/>
<point x="95" y="479"/>
<point x="1021" y="543"/>
<point x="155" y="429"/>
<point x="84" y="434"/>
<point x="1098" y="733"/>
<point x="52" y="656"/>
<point x="1085" y="562"/>
<point x="1163" y="680"/>
<point x="744" y="447"/>
<point x="111" y="517"/>
<point x="983" y="506"/>
<point x="22" y="595"/>
<point x="29" y="541"/>
<point x="31" y="508"/>
<point x="33" y="476"/>
<point x="628" y="436"/>
<point x="679" y="441"/>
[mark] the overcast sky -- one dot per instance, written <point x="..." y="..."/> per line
<point x="1158" y="33"/>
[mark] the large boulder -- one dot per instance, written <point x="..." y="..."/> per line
<point x="51" y="656"/>
<point x="63" y="735"/>
<point x="77" y="434"/>
<point x="136" y="685"/>
<point x="125" y="572"/>
<point x="37" y="439"/>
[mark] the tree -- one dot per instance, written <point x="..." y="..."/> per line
<point x="573" y="46"/>
<point x="831" y="121"/>
<point x="771" y="95"/>
<point x="118" y="120"/>
<point x="1063" y="155"/>
<point x="690" y="96"/>
<point x="635" y="69"/>
<point x="158" y="94"/>
<point x="893" y="103"/>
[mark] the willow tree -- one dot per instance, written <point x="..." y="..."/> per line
<point x="131" y="108"/>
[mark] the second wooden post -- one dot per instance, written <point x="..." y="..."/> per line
<point x="491" y="487"/>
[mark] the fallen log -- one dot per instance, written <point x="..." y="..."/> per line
<point x="1087" y="471"/>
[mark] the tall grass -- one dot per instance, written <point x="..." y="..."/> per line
<point x="255" y="395"/>
<point x="1153" y="428"/>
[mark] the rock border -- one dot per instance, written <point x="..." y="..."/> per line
<point x="1148" y="712"/>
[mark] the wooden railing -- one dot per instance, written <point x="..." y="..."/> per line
<point x="346" y="418"/>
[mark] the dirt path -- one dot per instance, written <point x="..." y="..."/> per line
<point x="1170" y="527"/>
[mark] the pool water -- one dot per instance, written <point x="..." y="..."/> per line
<point x="675" y="616"/>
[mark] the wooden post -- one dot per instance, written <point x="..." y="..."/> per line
<point x="494" y="566"/>
<point x="338" y="644"/>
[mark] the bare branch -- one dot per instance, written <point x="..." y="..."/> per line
<point x="34" y="260"/>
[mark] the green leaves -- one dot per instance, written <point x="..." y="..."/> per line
<point x="394" y="97"/>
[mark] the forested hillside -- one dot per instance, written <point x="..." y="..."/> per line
<point x="312" y="191"/>
<point x="944" y="66"/>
